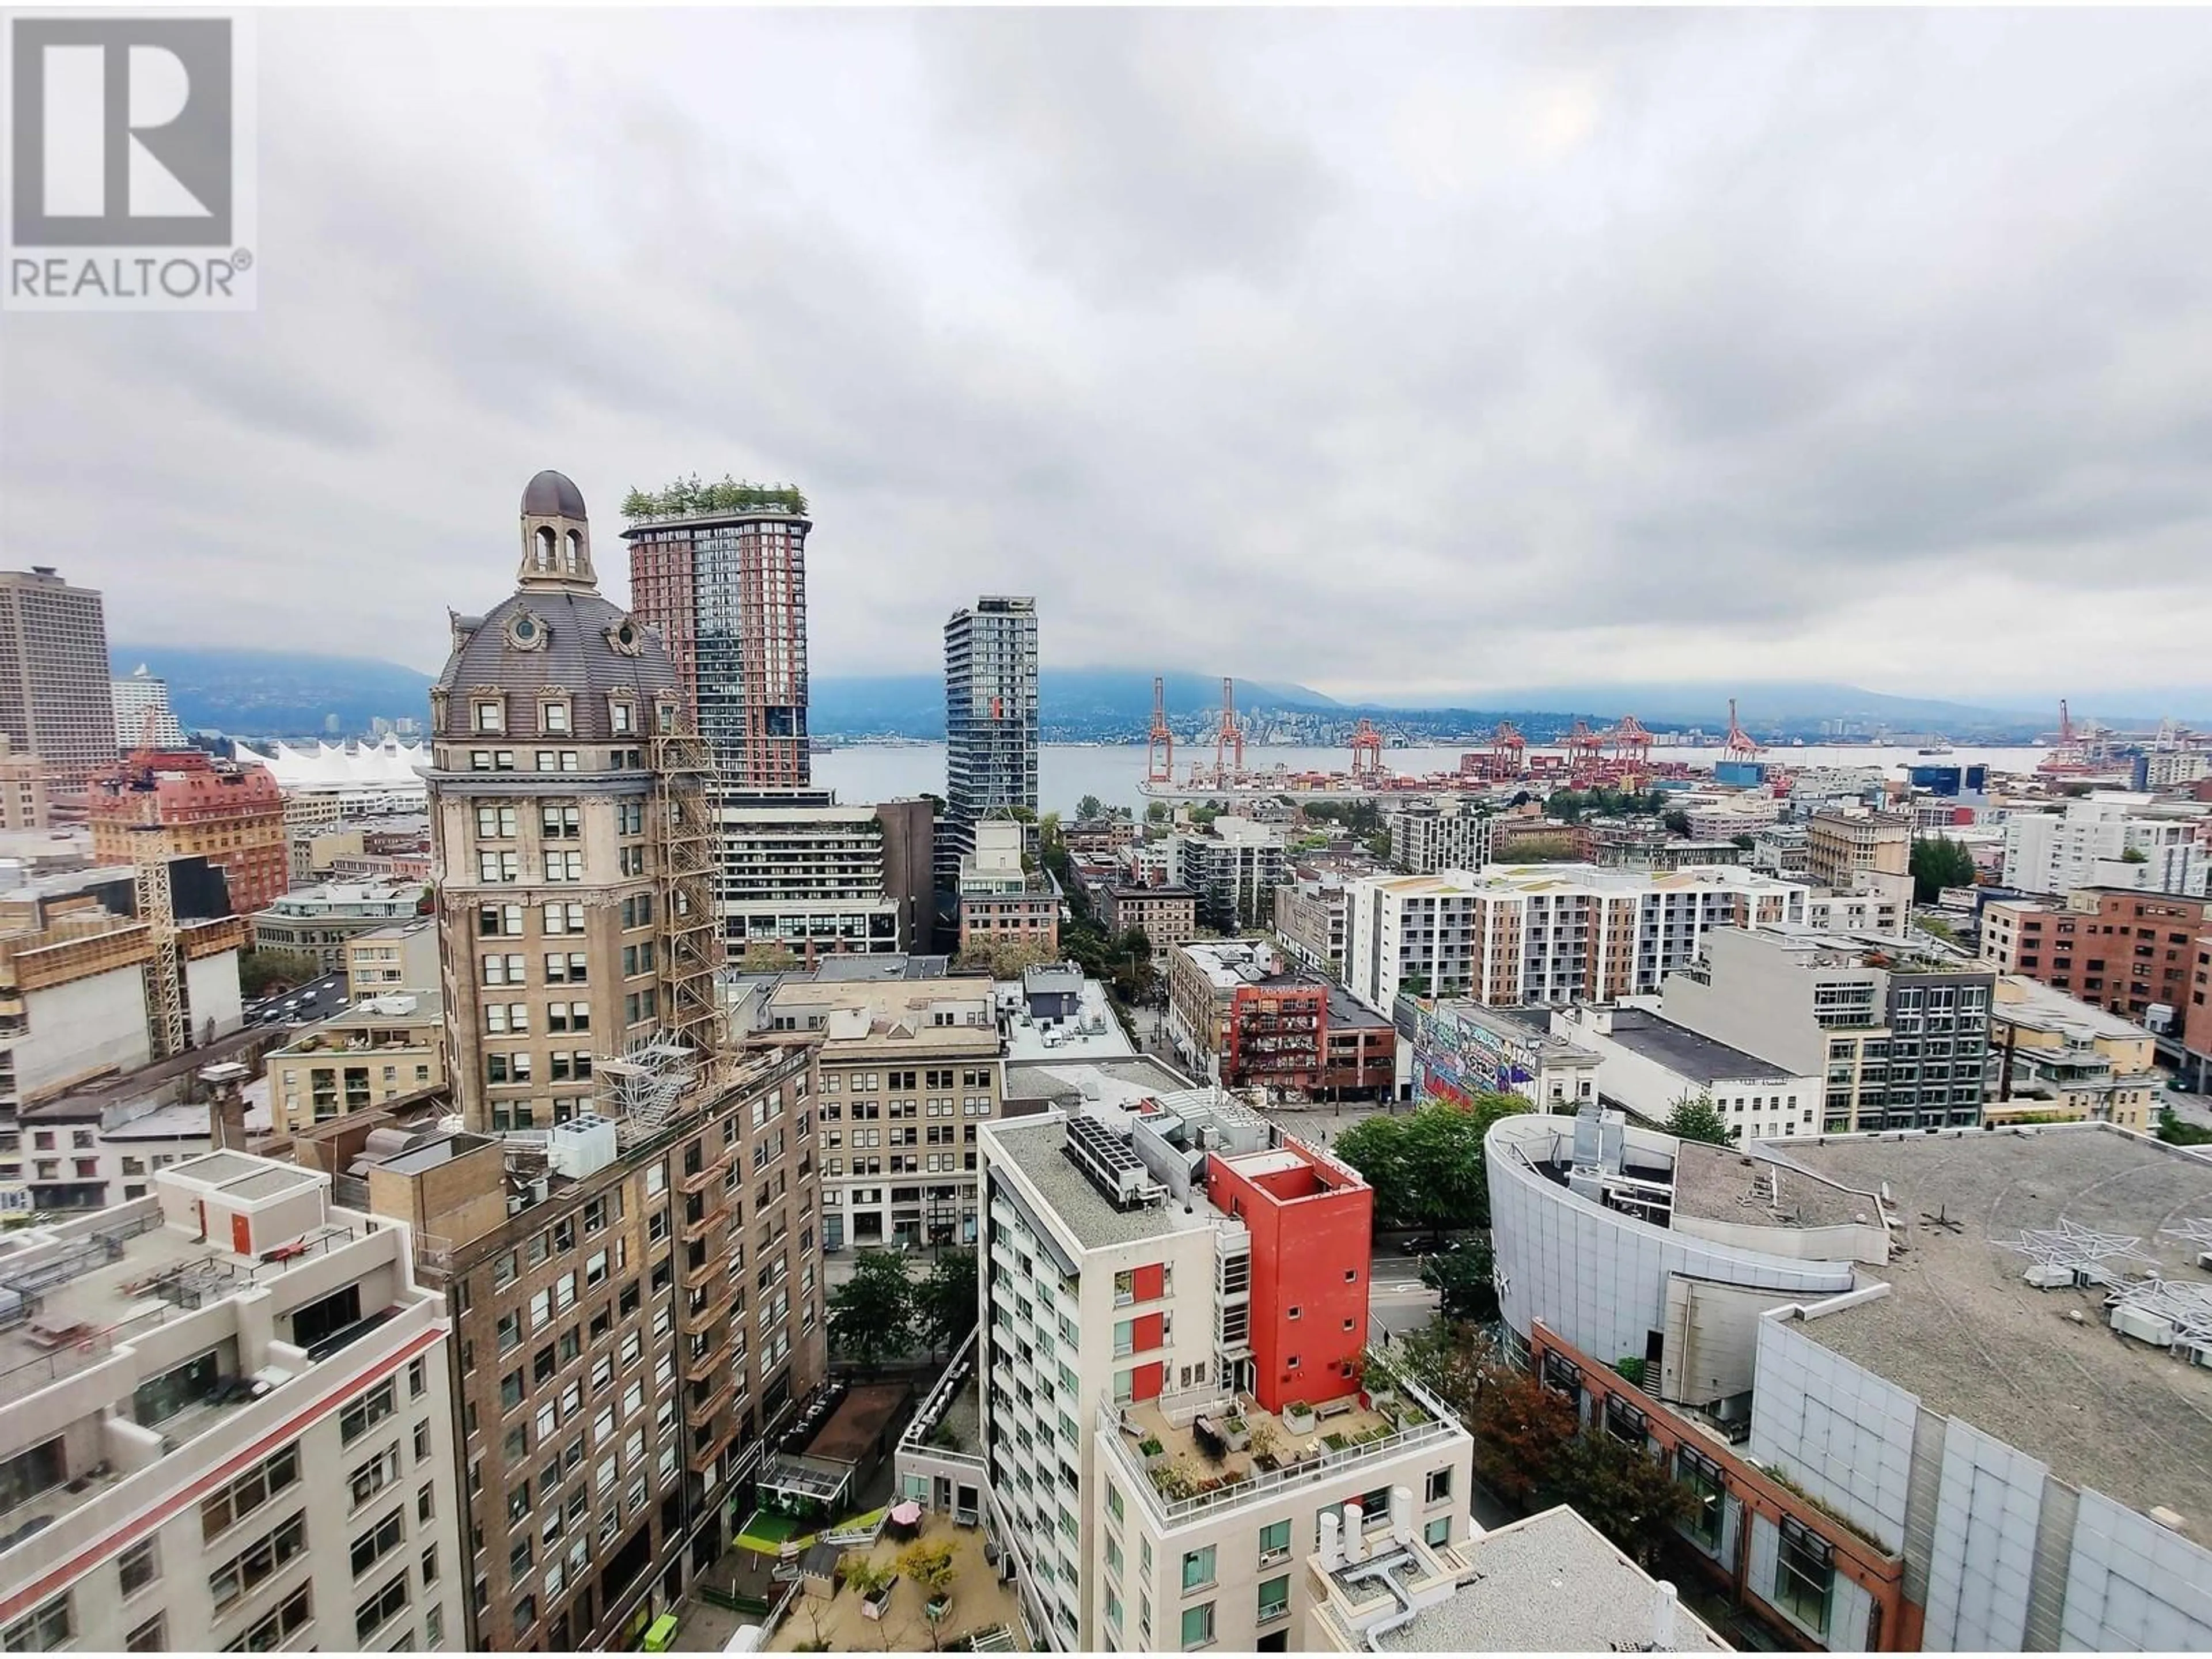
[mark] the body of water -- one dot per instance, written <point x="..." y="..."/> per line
<point x="1067" y="772"/>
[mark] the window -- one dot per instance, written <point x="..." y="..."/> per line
<point x="277" y="1627"/>
<point x="372" y="1477"/>
<point x="559" y="823"/>
<point x="377" y="1542"/>
<point x="379" y="1607"/>
<point x="1703" y="1477"/>
<point x="46" y="1627"/>
<point x="139" y="1566"/>
<point x="491" y="716"/>
<point x="1804" y="1574"/>
<point x="257" y="1562"/>
<point x="1439" y="1486"/>
<point x="493" y="920"/>
<point x="567" y="866"/>
<point x="148" y="1638"/>
<point x="1274" y="1597"/>
<point x="553" y="719"/>
<point x="1197" y="1626"/>
<point x="565" y="968"/>
<point x="1274" y="1542"/>
<point x="366" y="1412"/>
<point x="248" y="1493"/>
<point x="1197" y="1569"/>
<point x="1437" y="1533"/>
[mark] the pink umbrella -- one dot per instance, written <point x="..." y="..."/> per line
<point x="906" y="1515"/>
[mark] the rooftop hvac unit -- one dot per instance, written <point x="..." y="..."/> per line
<point x="582" y="1147"/>
<point x="2143" y="1325"/>
<point x="2046" y="1277"/>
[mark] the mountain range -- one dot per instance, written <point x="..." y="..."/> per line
<point x="287" y="694"/>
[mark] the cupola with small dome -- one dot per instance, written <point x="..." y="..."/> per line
<point x="556" y="660"/>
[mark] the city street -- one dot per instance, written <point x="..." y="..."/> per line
<point x="1397" y="1301"/>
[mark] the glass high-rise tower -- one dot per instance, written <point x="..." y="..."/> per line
<point x="990" y="720"/>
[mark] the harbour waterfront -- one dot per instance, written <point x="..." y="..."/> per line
<point x="1067" y="772"/>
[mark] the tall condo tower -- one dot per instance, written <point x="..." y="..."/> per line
<point x="990" y="720"/>
<point x="54" y="697"/>
<point x="725" y="588"/>
<point x="569" y="824"/>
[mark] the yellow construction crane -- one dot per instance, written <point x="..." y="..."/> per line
<point x="166" y="1017"/>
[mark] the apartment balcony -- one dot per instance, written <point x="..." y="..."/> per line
<point x="706" y="1274"/>
<point x="701" y="1310"/>
<point x="716" y="1211"/>
<point x="709" y="1175"/>
<point x="699" y="1410"/>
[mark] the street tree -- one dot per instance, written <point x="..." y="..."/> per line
<point x="944" y="1309"/>
<point x="1937" y="863"/>
<point x="1519" y="1428"/>
<point x="1466" y="1278"/>
<point x="1426" y="1167"/>
<point x="1696" y="1118"/>
<point x="871" y="1313"/>
<point x="1623" y="1491"/>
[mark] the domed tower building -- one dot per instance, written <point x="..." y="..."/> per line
<point x="570" y="829"/>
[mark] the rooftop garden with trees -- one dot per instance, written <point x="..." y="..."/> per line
<point x="695" y="495"/>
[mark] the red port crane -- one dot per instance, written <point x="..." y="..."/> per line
<point x="1159" y="766"/>
<point x="1585" y="751"/>
<point x="1366" y="752"/>
<point x="1229" y="741"/>
<point x="1502" y="761"/>
<point x="1740" y="746"/>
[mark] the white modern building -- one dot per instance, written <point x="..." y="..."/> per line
<point x="1233" y="869"/>
<point x="1898" y="1034"/>
<point x="1836" y="1338"/>
<point x="333" y="782"/>
<point x="1176" y="1401"/>
<point x="2085" y="843"/>
<point x="1450" y="833"/>
<point x="1649" y="1064"/>
<point x="1545" y="932"/>
<point x="226" y="1423"/>
<point x="143" y="718"/>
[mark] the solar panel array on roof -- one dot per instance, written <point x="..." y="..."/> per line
<point x="1106" y="1162"/>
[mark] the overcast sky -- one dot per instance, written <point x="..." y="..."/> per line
<point x="1389" y="353"/>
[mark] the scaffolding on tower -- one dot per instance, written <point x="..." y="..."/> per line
<point x="1160" y="762"/>
<point x="682" y="840"/>
<point x="168" y="1021"/>
<point x="1366" y="752"/>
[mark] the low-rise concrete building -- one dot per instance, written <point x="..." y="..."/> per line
<point x="1168" y="916"/>
<point x="312" y="926"/>
<point x="227" y="1419"/>
<point x="2057" y="1054"/>
<point x="1550" y="1582"/>
<point x="1649" y="1064"/>
<point x="383" y="1048"/>
<point x="1454" y="1050"/>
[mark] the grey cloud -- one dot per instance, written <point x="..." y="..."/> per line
<point x="1366" y="350"/>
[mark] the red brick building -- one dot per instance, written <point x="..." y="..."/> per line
<point x="1730" y="1488"/>
<point x="231" y="815"/>
<point x="2113" y="947"/>
<point x="1236" y="1016"/>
